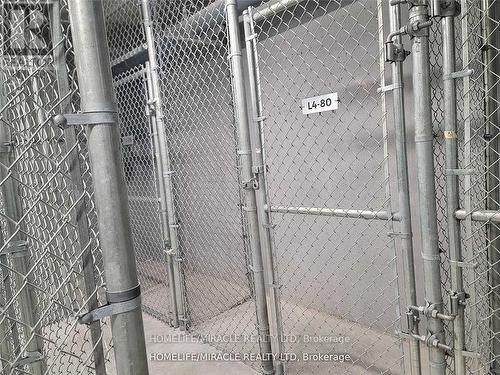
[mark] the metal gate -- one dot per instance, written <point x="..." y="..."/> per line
<point x="200" y="135"/>
<point x="325" y="149"/>
<point x="141" y="174"/>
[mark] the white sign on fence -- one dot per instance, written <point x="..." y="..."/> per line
<point x="322" y="103"/>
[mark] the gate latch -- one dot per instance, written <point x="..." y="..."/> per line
<point x="252" y="184"/>
<point x="395" y="52"/>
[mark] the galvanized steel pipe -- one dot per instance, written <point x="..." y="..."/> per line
<point x="424" y="137"/>
<point x="110" y="190"/>
<point x="406" y="241"/>
<point x="452" y="192"/>
<point x="247" y="178"/>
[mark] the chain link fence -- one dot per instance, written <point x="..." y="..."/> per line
<point x="294" y="240"/>
<point x="191" y="43"/>
<point x="321" y="166"/>
<point x="51" y="263"/>
<point x="479" y="53"/>
<point x="126" y="39"/>
<point x="141" y="177"/>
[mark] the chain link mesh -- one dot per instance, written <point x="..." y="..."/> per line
<point x="330" y="161"/>
<point x="141" y="177"/>
<point x="338" y="275"/>
<point x="196" y="87"/>
<point x="124" y="27"/>
<point x="50" y="256"/>
<point x="479" y="51"/>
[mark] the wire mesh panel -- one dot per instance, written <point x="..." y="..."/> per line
<point x="480" y="51"/>
<point x="50" y="256"/>
<point x="196" y="90"/>
<point x="124" y="27"/>
<point x="337" y="269"/>
<point x="140" y="172"/>
<point x="436" y="62"/>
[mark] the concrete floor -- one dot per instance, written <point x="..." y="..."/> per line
<point x="155" y="329"/>
<point x="371" y="351"/>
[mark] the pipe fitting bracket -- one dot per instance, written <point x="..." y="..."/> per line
<point x="86" y="118"/>
<point x="118" y="303"/>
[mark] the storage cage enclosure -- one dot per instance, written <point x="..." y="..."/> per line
<point x="289" y="174"/>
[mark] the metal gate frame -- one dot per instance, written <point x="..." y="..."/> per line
<point x="421" y="15"/>
<point x="252" y="130"/>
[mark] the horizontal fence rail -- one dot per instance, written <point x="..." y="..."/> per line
<point x="337" y="212"/>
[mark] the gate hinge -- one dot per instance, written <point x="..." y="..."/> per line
<point x="430" y="310"/>
<point x="118" y="303"/>
<point x="430" y="340"/>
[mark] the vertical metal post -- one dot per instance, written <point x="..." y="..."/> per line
<point x="473" y="330"/>
<point x="173" y="223"/>
<point x="249" y="182"/>
<point x="419" y="27"/>
<point x="80" y="213"/>
<point x="259" y="168"/>
<point x="491" y="135"/>
<point x="457" y="293"/>
<point x="406" y="243"/>
<point x="160" y="172"/>
<point x="390" y="225"/>
<point x="96" y="89"/>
